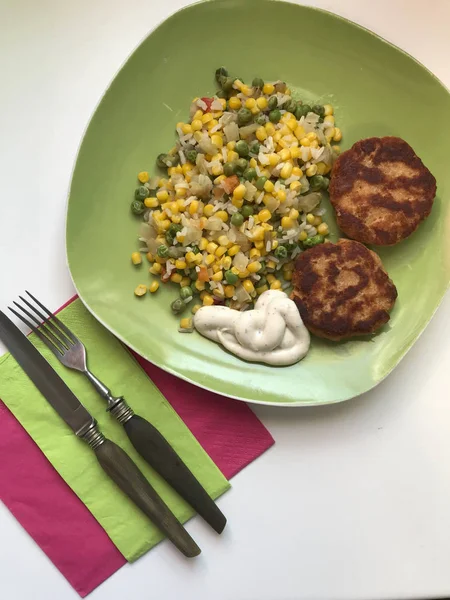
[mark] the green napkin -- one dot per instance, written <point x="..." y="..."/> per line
<point x="129" y="529"/>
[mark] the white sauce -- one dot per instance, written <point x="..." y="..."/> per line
<point x="272" y="333"/>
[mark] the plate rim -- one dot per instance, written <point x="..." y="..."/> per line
<point x="281" y="404"/>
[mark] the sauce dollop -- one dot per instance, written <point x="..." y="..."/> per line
<point x="271" y="333"/>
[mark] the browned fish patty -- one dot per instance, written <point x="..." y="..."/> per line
<point x="381" y="191"/>
<point x="342" y="290"/>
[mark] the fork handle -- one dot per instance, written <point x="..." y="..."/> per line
<point x="121" y="469"/>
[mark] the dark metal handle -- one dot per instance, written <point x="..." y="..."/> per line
<point x="159" y="454"/>
<point x="122" y="470"/>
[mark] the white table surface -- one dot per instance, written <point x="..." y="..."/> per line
<point x="353" y="502"/>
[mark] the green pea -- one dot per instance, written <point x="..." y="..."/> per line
<point x="306" y="109"/>
<point x="274" y="115"/>
<point x="326" y="183"/>
<point x="313" y="241"/>
<point x="319" y="110"/>
<point x="261" y="282"/>
<point x="221" y="72"/>
<point x="260" y="182"/>
<point x="174" y="228"/>
<point x="177" y="306"/>
<point x="242" y="148"/>
<point x="250" y="174"/>
<point x="244" y="116"/>
<point x="298" y="112"/>
<point x="141" y="193"/>
<point x="254" y="147"/>
<point x="281" y="252"/>
<point x="162" y="251"/>
<point x="195" y="249"/>
<point x="231" y="277"/>
<point x="221" y="94"/>
<point x="237" y="219"/>
<point x="227" y="84"/>
<point x="289" y="105"/>
<point x="186" y="292"/>
<point x="229" y="169"/>
<point x="193" y="274"/>
<point x="169" y="238"/>
<point x="166" y="161"/>
<point x="260" y="119"/>
<point x="137" y="207"/>
<point x="191" y="155"/>
<point x="258" y="82"/>
<point x="241" y="165"/>
<point x="272" y="103"/>
<point x="317" y="183"/>
<point x="247" y="211"/>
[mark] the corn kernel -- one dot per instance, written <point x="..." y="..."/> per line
<point x="155" y="269"/>
<point x="223" y="240"/>
<point x="218" y="276"/>
<point x="217" y="170"/>
<point x="219" y="179"/>
<point x="311" y="136"/>
<point x="220" y="251"/>
<point x="254" y="267"/>
<point x="261" y="133"/>
<point x="295" y="186"/>
<point x="211" y="247"/>
<point x="164" y="224"/>
<point x="223" y="215"/>
<point x="250" y="103"/>
<point x="268" y="186"/>
<point x="143" y="176"/>
<point x="274" y="244"/>
<point x="180" y="264"/>
<point x="287" y="223"/>
<point x="151" y="202"/>
<point x="292" y="124"/>
<point x="287" y="275"/>
<point x="229" y="291"/>
<point x="208" y="210"/>
<point x="140" y="290"/>
<point x="271" y="277"/>
<point x="199" y="285"/>
<point x="317" y="221"/>
<point x="176" y="277"/>
<point x="329" y="121"/>
<point x="255" y="253"/>
<point x="231" y="145"/>
<point x="323" y="229"/>
<point x="176" y="219"/>
<point x="261" y="289"/>
<point x="286" y="171"/>
<point x="270" y="128"/>
<point x="186" y="323"/>
<point x="285" y="154"/>
<point x="314" y="144"/>
<point x="196" y="125"/>
<point x="311" y="171"/>
<point x="261" y="102"/>
<point x="268" y="89"/>
<point x="234" y="250"/>
<point x="237" y="203"/>
<point x="208" y="300"/>
<point x="136" y="258"/>
<point x="232" y="155"/>
<point x="162" y="195"/>
<point x="294" y="214"/>
<point x="248" y="286"/>
<point x="328" y="109"/>
<point x="302" y="236"/>
<point x="154" y="286"/>
<point x="190" y="257"/>
<point x="186" y="128"/>
<point x="193" y="207"/>
<point x="226" y="262"/>
<point x="217" y="140"/>
<point x="310" y="218"/>
<point x="239" y="191"/>
<point x="264" y="215"/>
<point x="234" y="103"/>
<point x="203" y="243"/>
<point x="259" y="245"/>
<point x="337" y="135"/>
<point x="195" y="308"/>
<point x="281" y="195"/>
<point x="276" y="285"/>
<point x="150" y="257"/>
<point x="265" y="173"/>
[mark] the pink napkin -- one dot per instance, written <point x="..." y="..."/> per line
<point x="47" y="508"/>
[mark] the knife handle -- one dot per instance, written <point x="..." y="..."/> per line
<point x="121" y="469"/>
<point x="160" y="455"/>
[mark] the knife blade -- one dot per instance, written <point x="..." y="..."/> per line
<point x="113" y="460"/>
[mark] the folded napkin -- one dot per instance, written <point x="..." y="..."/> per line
<point x="47" y="508"/>
<point x="130" y="530"/>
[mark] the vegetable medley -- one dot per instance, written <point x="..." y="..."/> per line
<point x="242" y="194"/>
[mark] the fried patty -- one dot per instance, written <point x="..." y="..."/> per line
<point x="342" y="290"/>
<point x="381" y="191"/>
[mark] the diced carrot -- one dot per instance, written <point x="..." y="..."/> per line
<point x="203" y="274"/>
<point x="230" y="183"/>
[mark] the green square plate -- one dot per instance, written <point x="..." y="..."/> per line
<point x="377" y="90"/>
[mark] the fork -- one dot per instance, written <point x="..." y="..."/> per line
<point x="146" y="439"/>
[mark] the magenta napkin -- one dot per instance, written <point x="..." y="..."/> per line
<point x="47" y="508"/>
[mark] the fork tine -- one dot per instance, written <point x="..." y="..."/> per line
<point x="67" y="342"/>
<point x="56" y="351"/>
<point x="60" y="324"/>
<point x="44" y="330"/>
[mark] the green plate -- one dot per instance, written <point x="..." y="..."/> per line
<point x="377" y="90"/>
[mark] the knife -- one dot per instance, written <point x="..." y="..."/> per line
<point x="113" y="460"/>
